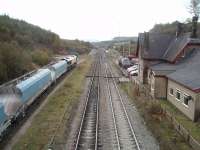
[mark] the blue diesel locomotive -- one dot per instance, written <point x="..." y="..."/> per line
<point x="26" y="91"/>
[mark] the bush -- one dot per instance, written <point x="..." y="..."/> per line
<point x="14" y="61"/>
<point x="155" y="108"/>
<point x="3" y="72"/>
<point x="136" y="91"/>
<point x="40" y="57"/>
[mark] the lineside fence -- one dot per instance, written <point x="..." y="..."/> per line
<point x="143" y="89"/>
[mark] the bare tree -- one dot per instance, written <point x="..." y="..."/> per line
<point x="194" y="10"/>
<point x="194" y="7"/>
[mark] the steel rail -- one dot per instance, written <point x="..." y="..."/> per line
<point x="113" y="113"/>
<point x="97" y="119"/>
<point x="127" y="117"/>
<point x="85" y="108"/>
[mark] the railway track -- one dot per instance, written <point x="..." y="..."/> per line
<point x="87" y="137"/>
<point x="125" y="136"/>
<point x="88" y="131"/>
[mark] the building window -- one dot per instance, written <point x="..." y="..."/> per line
<point x="178" y="94"/>
<point x="152" y="82"/>
<point x="186" y="99"/>
<point x="152" y="86"/>
<point x="171" y="91"/>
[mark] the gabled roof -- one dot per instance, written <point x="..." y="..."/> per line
<point x="190" y="59"/>
<point x="183" y="72"/>
<point x="164" y="47"/>
<point x="175" y="47"/>
<point x="189" y="77"/>
<point x="157" y="44"/>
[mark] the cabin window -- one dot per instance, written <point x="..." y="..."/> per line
<point x="178" y="94"/>
<point x="171" y="91"/>
<point x="186" y="99"/>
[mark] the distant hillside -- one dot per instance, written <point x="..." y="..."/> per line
<point x="104" y="44"/>
<point x="24" y="46"/>
<point x="121" y="39"/>
<point x="25" y="34"/>
<point x="115" y="41"/>
<point x="33" y="37"/>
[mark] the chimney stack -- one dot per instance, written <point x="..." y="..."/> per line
<point x="146" y="40"/>
<point x="179" y="29"/>
<point x="194" y="26"/>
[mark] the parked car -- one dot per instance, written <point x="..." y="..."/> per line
<point x="134" y="73"/>
<point x="124" y="62"/>
<point x="132" y="68"/>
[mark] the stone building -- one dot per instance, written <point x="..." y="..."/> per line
<point x="170" y="66"/>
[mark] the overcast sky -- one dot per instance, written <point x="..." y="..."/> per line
<point x="96" y="19"/>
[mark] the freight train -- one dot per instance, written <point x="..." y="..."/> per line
<point x="16" y="99"/>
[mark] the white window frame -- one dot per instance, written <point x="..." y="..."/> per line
<point x="176" y="95"/>
<point x="152" y="83"/>
<point x="170" y="92"/>
<point x="152" y="87"/>
<point x="183" y="55"/>
<point x="185" y="94"/>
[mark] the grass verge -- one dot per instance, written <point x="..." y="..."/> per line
<point x="46" y="121"/>
<point x="192" y="127"/>
<point x="156" y="121"/>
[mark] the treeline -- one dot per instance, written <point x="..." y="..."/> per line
<point x="24" y="47"/>
<point x="172" y="27"/>
<point x="127" y="48"/>
<point x="76" y="45"/>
